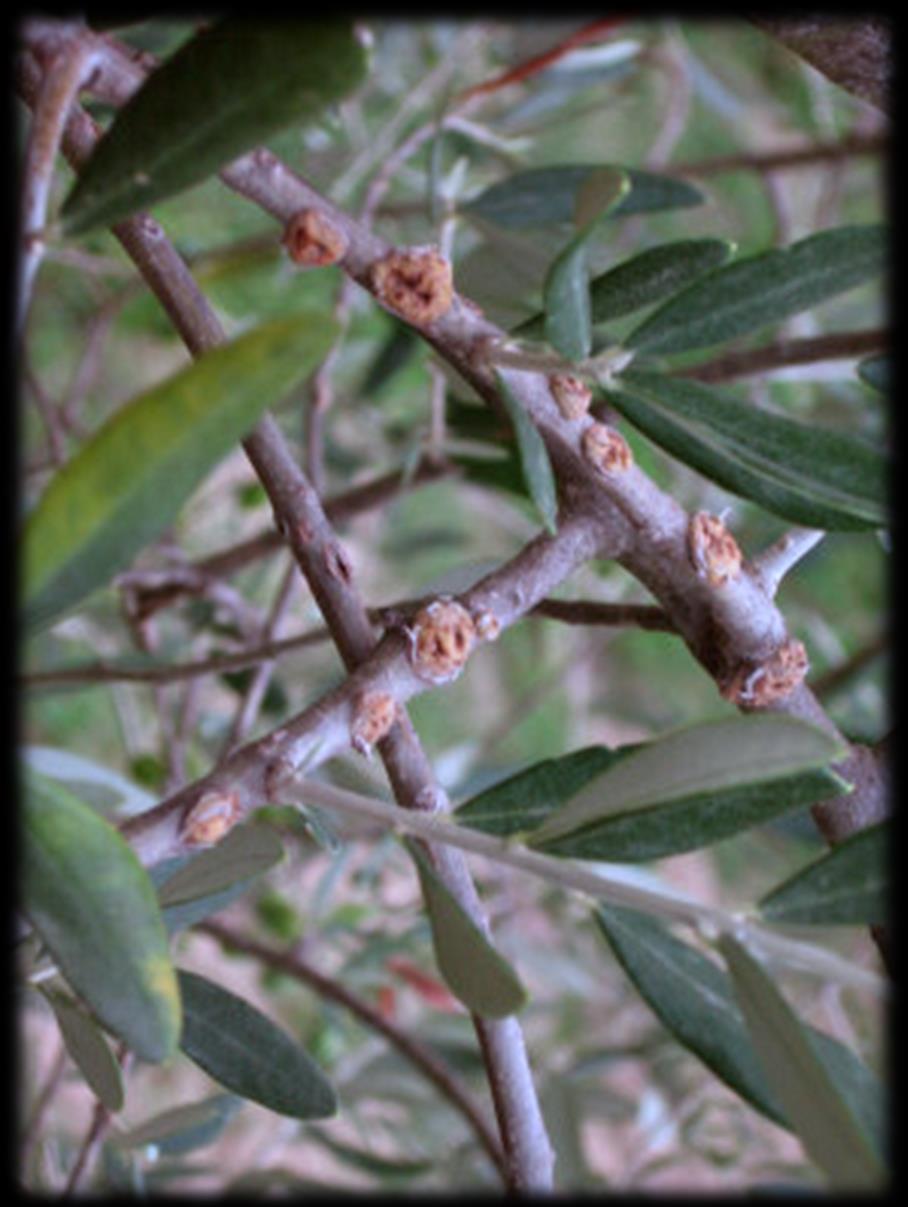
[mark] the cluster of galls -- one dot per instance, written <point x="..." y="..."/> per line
<point x="441" y="637"/>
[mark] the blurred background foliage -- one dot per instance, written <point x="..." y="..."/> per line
<point x="625" y="1104"/>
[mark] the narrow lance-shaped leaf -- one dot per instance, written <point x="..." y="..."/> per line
<point x="692" y="998"/>
<point x="644" y="279"/>
<point x="695" y="1001"/>
<point x="247" y="1053"/>
<point x="847" y="886"/>
<point x="697" y="761"/>
<point x="814" y="477"/>
<point x="472" y="969"/>
<point x="523" y="801"/>
<point x="369" y="1163"/>
<point x="699" y="820"/>
<point x="763" y="290"/>
<point x="822" y="1115"/>
<point x="566" y="290"/>
<point x="128" y="482"/>
<point x="184" y="1128"/>
<point x="190" y="889"/>
<point x="534" y="457"/>
<point x="94" y="907"/>
<point x="89" y="1051"/>
<point x="541" y="197"/>
<point x="227" y="90"/>
<point x="247" y="851"/>
<point x="654" y="274"/>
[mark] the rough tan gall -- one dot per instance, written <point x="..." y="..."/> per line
<point x="713" y="550"/>
<point x="416" y="284"/>
<point x="312" y="240"/>
<point x="374" y="713"/>
<point x="210" y="819"/>
<point x="487" y="624"/>
<point x="607" y="449"/>
<point x="755" y="686"/>
<point x="441" y="638"/>
<point x="571" y="395"/>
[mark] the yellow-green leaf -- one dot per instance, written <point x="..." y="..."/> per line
<point x="95" y="908"/>
<point x="129" y="481"/>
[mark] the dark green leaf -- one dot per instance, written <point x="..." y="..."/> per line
<point x="876" y="372"/>
<point x="692" y="998"/>
<point x="847" y="886"/>
<point x="643" y="279"/>
<point x="501" y="473"/>
<point x="693" y="822"/>
<point x="472" y="969"/>
<point x="825" y="1118"/>
<point x="654" y="274"/>
<point x="246" y="852"/>
<point x="227" y="90"/>
<point x="369" y="1163"/>
<point x="244" y="1051"/>
<point x="89" y="1051"/>
<point x="763" y="290"/>
<point x="128" y="482"/>
<point x="94" y="907"/>
<point x="474" y="422"/>
<point x="818" y="478"/>
<point x="688" y="771"/>
<point x="695" y="1001"/>
<point x="547" y="196"/>
<point x="534" y="458"/>
<point x="184" y="1128"/>
<point x="523" y="801"/>
<point x="566" y="290"/>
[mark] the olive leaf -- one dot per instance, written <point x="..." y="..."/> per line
<point x="225" y="91"/>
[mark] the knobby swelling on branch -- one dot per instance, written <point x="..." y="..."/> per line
<point x="299" y="514"/>
<point x="734" y="630"/>
<point x="720" y="604"/>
